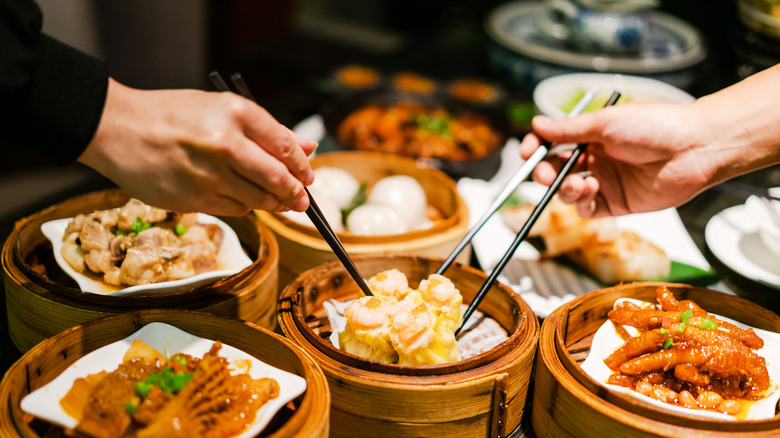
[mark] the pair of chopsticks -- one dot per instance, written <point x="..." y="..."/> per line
<point x="313" y="212"/>
<point x="523" y="233"/>
<point x="520" y="176"/>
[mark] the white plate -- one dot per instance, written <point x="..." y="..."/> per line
<point x="733" y="238"/>
<point x="231" y="257"/>
<point x="606" y="341"/>
<point x="44" y="402"/>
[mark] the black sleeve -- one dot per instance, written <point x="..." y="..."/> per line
<point x="51" y="95"/>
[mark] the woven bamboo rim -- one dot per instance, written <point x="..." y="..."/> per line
<point x="481" y="396"/>
<point x="37" y="290"/>
<point x="307" y="416"/>
<point x="592" y="410"/>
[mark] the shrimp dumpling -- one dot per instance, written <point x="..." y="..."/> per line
<point x="419" y="337"/>
<point x="389" y="284"/>
<point x="444" y="298"/>
<point x="336" y="184"/>
<point x="373" y="220"/>
<point x="367" y="333"/>
<point x="404" y="195"/>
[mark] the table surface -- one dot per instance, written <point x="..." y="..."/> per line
<point x="427" y="54"/>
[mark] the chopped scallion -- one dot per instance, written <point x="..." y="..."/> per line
<point x="668" y="344"/>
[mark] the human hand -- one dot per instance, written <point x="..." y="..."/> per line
<point x="641" y="157"/>
<point x="191" y="150"/>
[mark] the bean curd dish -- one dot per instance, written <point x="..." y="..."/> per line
<point x="687" y="357"/>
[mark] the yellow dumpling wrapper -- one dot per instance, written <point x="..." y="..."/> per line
<point x="367" y="333"/>
<point x="421" y="338"/>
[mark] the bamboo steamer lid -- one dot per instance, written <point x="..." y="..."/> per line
<point x="43" y="301"/>
<point x="302" y="247"/>
<point x="306" y="416"/>
<point x="481" y="396"/>
<point x="569" y="403"/>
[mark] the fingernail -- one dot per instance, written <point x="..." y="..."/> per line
<point x="301" y="204"/>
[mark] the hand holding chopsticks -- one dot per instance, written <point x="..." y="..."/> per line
<point x="313" y="211"/>
<point x="523" y="233"/>
<point x="520" y="176"/>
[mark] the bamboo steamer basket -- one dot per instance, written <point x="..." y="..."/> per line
<point x="43" y="301"/>
<point x="569" y="403"/>
<point x="306" y="416"/>
<point x="481" y="396"/>
<point x="302" y="247"/>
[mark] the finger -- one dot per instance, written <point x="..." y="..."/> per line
<point x="262" y="169"/>
<point x="529" y="145"/>
<point x="308" y="146"/>
<point x="278" y="141"/>
<point x="252" y="196"/>
<point x="580" y="129"/>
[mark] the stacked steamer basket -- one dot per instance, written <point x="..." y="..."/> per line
<point x="302" y="247"/>
<point x="483" y="395"/>
<point x="42" y="301"/>
<point x="305" y="416"/>
<point x="569" y="403"/>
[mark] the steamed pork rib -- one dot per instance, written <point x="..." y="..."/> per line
<point x="683" y="355"/>
<point x="140" y="244"/>
<point x="149" y="396"/>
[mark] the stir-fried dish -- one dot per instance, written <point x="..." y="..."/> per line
<point x="150" y="396"/>
<point x="140" y="244"/>
<point x="685" y="356"/>
<point x="418" y="131"/>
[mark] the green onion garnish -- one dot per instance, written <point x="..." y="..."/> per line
<point x="685" y="315"/>
<point x="668" y="344"/>
<point x="663" y="331"/>
<point x="120" y="233"/>
<point x="680" y="328"/>
<point x="143" y="389"/>
<point x="708" y="324"/>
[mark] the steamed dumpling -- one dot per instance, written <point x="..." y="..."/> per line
<point x="334" y="183"/>
<point x="367" y="333"/>
<point x="389" y="284"/>
<point x="404" y="195"/>
<point x="444" y="298"/>
<point x="372" y="220"/>
<point x="329" y="209"/>
<point x="419" y="337"/>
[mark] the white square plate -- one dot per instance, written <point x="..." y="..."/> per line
<point x="231" y="257"/>
<point x="44" y="402"/>
<point x="606" y="341"/>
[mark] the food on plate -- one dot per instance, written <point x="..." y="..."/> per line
<point x="417" y="130"/>
<point x="597" y="245"/>
<point x="473" y="90"/>
<point x="182" y="396"/>
<point x="140" y="244"/>
<point x="358" y="76"/>
<point x="412" y="327"/>
<point x="413" y="82"/>
<point x="597" y="103"/>
<point x="685" y="356"/>
<point x="395" y="204"/>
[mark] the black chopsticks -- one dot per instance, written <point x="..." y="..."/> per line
<point x="313" y="212"/>
<point x="520" y="176"/>
<point x="523" y="233"/>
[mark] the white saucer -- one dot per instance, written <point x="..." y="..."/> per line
<point x="733" y="238"/>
